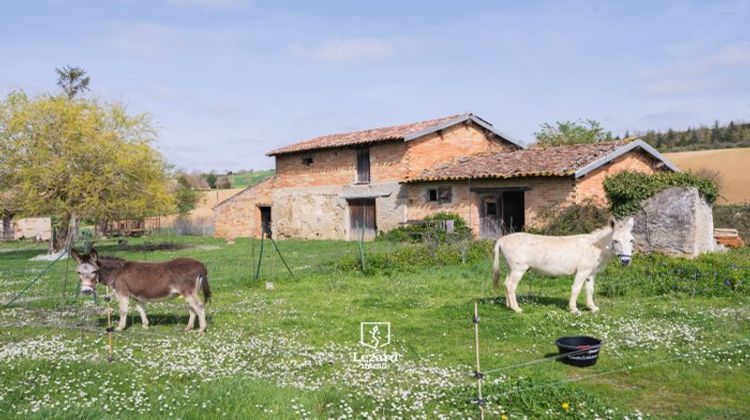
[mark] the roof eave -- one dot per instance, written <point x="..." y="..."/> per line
<point x="636" y="144"/>
<point x="462" y="118"/>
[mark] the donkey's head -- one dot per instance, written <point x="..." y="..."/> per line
<point x="88" y="270"/>
<point x="623" y="241"/>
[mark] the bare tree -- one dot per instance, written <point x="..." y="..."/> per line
<point x="73" y="80"/>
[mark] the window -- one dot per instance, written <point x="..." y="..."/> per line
<point x="440" y="194"/>
<point x="363" y="166"/>
<point x="307" y="161"/>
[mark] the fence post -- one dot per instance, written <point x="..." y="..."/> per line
<point x="478" y="373"/>
<point x="362" y="247"/>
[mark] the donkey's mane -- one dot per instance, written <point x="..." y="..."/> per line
<point x="110" y="261"/>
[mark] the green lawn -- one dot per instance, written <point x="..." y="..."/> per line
<point x="246" y="179"/>
<point x="289" y="351"/>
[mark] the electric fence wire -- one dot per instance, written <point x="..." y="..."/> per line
<point x="624" y="369"/>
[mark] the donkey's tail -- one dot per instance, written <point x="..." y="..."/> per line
<point x="204" y="286"/>
<point x="496" y="266"/>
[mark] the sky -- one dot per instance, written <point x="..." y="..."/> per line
<point x="228" y="80"/>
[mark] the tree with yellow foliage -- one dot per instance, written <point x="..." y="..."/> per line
<point x="77" y="159"/>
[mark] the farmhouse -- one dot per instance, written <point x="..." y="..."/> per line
<point x="342" y="186"/>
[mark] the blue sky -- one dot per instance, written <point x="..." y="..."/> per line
<point x="228" y="80"/>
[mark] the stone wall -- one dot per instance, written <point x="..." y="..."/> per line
<point x="675" y="221"/>
<point x="322" y="212"/>
<point x="32" y="228"/>
<point x="239" y="215"/>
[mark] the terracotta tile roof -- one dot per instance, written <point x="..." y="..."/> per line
<point x="551" y="161"/>
<point x="397" y="132"/>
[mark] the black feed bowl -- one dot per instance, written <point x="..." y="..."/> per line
<point x="586" y="350"/>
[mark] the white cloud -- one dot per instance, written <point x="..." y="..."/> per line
<point x="147" y="39"/>
<point x="347" y="50"/>
<point x="212" y="4"/>
<point x="700" y="73"/>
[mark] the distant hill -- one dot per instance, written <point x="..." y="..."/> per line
<point x="244" y="179"/>
<point x="731" y="164"/>
<point x="717" y="136"/>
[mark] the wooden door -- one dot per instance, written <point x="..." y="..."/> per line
<point x="362" y="219"/>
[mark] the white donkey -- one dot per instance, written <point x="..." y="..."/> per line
<point x="582" y="255"/>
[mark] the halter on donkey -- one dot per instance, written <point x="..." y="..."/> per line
<point x="582" y="255"/>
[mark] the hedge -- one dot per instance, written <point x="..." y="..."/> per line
<point x="626" y="190"/>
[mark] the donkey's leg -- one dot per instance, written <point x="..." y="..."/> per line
<point x="507" y="290"/>
<point x="590" y="294"/>
<point x="122" y="300"/>
<point x="191" y="320"/>
<point x="141" y="310"/>
<point x="197" y="307"/>
<point x="513" y="280"/>
<point x="581" y="277"/>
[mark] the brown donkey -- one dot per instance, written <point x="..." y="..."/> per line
<point x="146" y="282"/>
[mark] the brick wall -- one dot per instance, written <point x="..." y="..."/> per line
<point x="239" y="215"/>
<point x="339" y="166"/>
<point x="591" y="186"/>
<point x="389" y="162"/>
<point x="453" y="142"/>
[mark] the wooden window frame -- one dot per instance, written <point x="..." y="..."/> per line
<point x="441" y="195"/>
<point x="364" y="175"/>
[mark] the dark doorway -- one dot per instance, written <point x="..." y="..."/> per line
<point x="265" y="220"/>
<point x="362" y="219"/>
<point x="513" y="211"/>
<point x="501" y="211"/>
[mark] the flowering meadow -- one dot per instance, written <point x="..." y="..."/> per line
<point x="288" y="345"/>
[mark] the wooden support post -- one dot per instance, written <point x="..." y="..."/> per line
<point x="478" y="374"/>
<point x="260" y="257"/>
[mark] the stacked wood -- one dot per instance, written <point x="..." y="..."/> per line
<point x="730" y="238"/>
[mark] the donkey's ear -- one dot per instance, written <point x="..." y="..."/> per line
<point x="630" y="222"/>
<point x="76" y="256"/>
<point x="93" y="255"/>
<point x="612" y="222"/>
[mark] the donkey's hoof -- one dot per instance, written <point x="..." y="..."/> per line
<point x="594" y="309"/>
<point x="118" y="329"/>
<point x="145" y="326"/>
<point x="575" y="312"/>
<point x="188" y="329"/>
<point x="517" y="310"/>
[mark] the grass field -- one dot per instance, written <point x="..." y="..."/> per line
<point x="731" y="163"/>
<point x="290" y="351"/>
<point x="246" y="179"/>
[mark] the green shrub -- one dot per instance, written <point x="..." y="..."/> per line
<point x="429" y="229"/>
<point x="415" y="257"/>
<point x="734" y="216"/>
<point x="572" y="220"/>
<point x="626" y="190"/>
<point x="655" y="274"/>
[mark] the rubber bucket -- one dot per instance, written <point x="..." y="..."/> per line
<point x="585" y="350"/>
